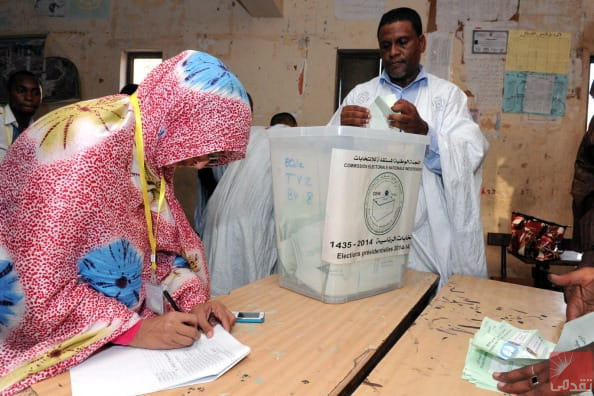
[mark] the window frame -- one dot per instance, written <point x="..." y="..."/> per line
<point x="132" y="56"/>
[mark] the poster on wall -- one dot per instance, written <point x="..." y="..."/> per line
<point x="22" y="52"/>
<point x="89" y="9"/>
<point x="484" y="61"/>
<point x="438" y="54"/>
<point x="489" y="42"/>
<point x="359" y="9"/>
<point x="534" y="93"/>
<point x="536" y="72"/>
<point x="451" y="12"/>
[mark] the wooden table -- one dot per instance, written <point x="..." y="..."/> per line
<point x="304" y="347"/>
<point x="430" y="356"/>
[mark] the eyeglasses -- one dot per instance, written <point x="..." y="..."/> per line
<point x="214" y="158"/>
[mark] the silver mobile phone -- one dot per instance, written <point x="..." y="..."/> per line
<point x="249" y="317"/>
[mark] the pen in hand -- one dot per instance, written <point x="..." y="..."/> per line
<point x="171" y="300"/>
<point x="212" y="320"/>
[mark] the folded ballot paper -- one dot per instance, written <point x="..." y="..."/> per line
<point x="380" y="109"/>
<point x="501" y="347"/>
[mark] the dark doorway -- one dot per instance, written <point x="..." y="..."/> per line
<point x="354" y="66"/>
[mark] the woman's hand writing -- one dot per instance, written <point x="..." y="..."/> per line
<point x="211" y="313"/>
<point x="168" y="331"/>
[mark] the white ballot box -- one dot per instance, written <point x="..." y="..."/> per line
<point x="344" y="208"/>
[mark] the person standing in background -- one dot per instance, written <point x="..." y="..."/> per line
<point x="24" y="97"/>
<point x="582" y="190"/>
<point x="283" y="118"/>
<point x="237" y="227"/>
<point x="448" y="234"/>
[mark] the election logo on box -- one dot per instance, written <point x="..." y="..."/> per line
<point x="571" y="371"/>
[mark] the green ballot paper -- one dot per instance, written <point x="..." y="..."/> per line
<point x="507" y="342"/>
<point x="499" y="346"/>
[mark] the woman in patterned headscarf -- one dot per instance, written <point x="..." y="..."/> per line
<point x="82" y="262"/>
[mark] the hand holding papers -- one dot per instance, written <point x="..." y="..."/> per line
<point x="510" y="343"/>
<point x="567" y="368"/>
<point x="501" y="347"/>
<point x="380" y="109"/>
<point x="576" y="333"/>
<point x="124" y="371"/>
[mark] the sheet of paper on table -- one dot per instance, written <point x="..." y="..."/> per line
<point x="127" y="371"/>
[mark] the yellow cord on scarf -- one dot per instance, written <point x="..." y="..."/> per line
<point x="7" y="127"/>
<point x="152" y="233"/>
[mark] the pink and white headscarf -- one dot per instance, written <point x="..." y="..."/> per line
<point x="74" y="246"/>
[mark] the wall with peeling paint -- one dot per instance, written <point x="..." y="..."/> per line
<point x="289" y="63"/>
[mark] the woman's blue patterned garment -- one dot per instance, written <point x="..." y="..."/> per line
<point x="113" y="270"/>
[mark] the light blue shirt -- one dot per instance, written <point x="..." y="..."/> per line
<point x="410" y="93"/>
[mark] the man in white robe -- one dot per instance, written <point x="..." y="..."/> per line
<point x="238" y="223"/>
<point x="447" y="235"/>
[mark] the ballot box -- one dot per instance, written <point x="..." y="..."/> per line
<point x="344" y="207"/>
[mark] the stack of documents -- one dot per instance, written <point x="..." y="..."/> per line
<point x="127" y="371"/>
<point x="501" y="347"/>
